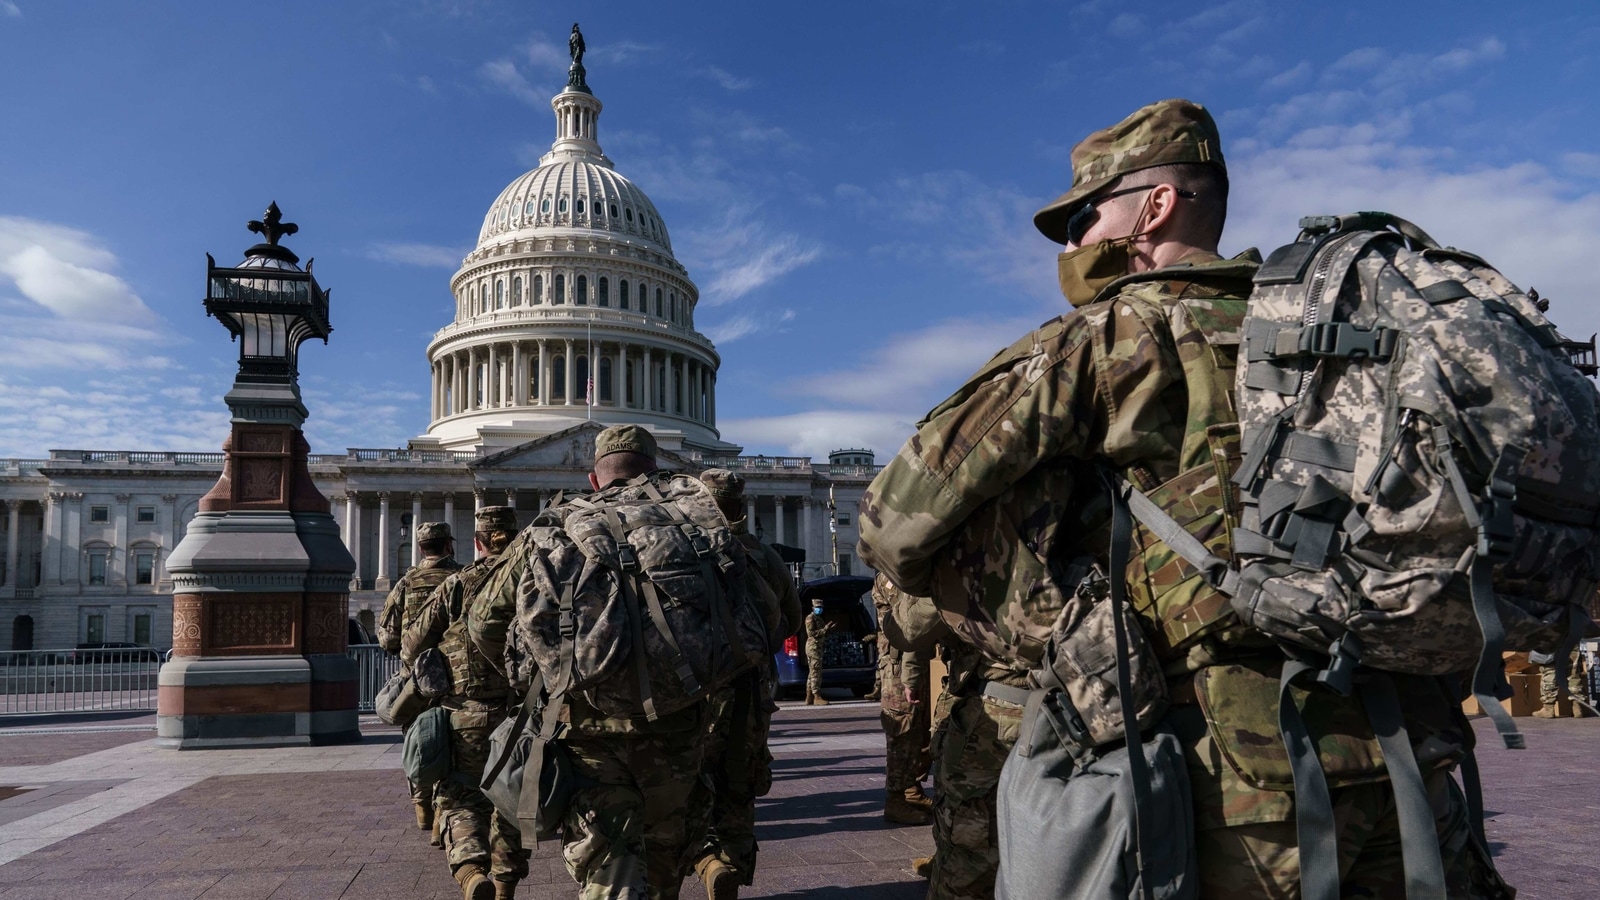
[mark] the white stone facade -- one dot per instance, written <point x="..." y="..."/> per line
<point x="566" y="256"/>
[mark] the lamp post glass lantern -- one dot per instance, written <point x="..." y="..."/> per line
<point x="268" y="304"/>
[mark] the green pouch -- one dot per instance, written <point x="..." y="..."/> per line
<point x="1240" y="702"/>
<point x="426" y="753"/>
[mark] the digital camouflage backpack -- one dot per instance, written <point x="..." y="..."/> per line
<point x="636" y="602"/>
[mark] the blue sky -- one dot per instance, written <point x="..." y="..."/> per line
<point x="850" y="185"/>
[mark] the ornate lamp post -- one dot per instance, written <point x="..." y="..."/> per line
<point x="261" y="579"/>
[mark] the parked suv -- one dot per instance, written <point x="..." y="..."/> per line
<point x="848" y="661"/>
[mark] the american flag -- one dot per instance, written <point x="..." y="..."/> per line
<point x="588" y="392"/>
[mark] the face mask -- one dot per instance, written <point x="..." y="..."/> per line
<point x="817" y="610"/>
<point x="1086" y="271"/>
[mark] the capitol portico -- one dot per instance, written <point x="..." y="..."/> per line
<point x="570" y="314"/>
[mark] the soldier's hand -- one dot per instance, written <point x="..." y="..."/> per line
<point x="911" y="698"/>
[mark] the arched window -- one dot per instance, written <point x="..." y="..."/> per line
<point x="538" y="288"/>
<point x="562" y="205"/>
<point x="580" y="206"/>
<point x="580" y="294"/>
<point x="516" y="291"/>
<point x="642" y="305"/>
<point x="558" y="378"/>
<point x="658" y="303"/>
<point x="499" y="294"/>
<point x="544" y="205"/>
<point x="628" y="214"/>
<point x="605" y="291"/>
<point x="605" y="379"/>
<point x="559" y="295"/>
<point x="672" y="306"/>
<point x="580" y="388"/>
<point x="527" y="208"/>
<point x="533" y="382"/>
<point x="613" y="210"/>
<point x="622" y="295"/>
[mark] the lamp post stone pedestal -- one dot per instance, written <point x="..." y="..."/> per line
<point x="261" y="578"/>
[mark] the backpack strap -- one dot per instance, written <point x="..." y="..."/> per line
<point x="633" y="584"/>
<point x="1138" y="768"/>
<point x="1315" y="827"/>
<point x="1419" y="836"/>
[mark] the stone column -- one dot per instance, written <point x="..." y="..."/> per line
<point x="777" y="506"/>
<point x="385" y="564"/>
<point x="711" y="396"/>
<point x="72" y="538"/>
<point x="519" y="381"/>
<point x="117" y="576"/>
<point x="473" y="402"/>
<point x="353" y="520"/>
<point x="416" y="522"/>
<point x="750" y="513"/>
<point x="172" y="518"/>
<point x="544" y="373"/>
<point x="805" y="526"/>
<point x="571" y="374"/>
<point x="683" y="387"/>
<point x="50" y="549"/>
<point x="450" y="517"/>
<point x="13" y="510"/>
<point x="649" y="375"/>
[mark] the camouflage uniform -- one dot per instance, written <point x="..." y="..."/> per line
<point x="816" y="628"/>
<point x="628" y="831"/>
<point x="1549" y="694"/>
<point x="405" y="602"/>
<point x="730" y="788"/>
<point x="955" y="512"/>
<point x="473" y="832"/>
<point x="905" y="725"/>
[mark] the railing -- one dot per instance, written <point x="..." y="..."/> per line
<point x="45" y="681"/>
<point x="435" y="456"/>
<point x="22" y="593"/>
<point x="373" y="668"/>
<point x="136" y="457"/>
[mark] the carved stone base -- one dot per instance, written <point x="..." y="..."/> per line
<point x="255" y="701"/>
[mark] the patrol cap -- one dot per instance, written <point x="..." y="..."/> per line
<point x="495" y="518"/>
<point x="1165" y="133"/>
<point x="434" y="531"/>
<point x="723" y="484"/>
<point x="619" y="438"/>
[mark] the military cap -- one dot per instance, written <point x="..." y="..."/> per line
<point x="1161" y="134"/>
<point x="619" y="438"/>
<point x="723" y="484"/>
<point x="433" y="531"/>
<point x="495" y="518"/>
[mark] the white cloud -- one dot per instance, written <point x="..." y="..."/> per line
<point x="503" y="74"/>
<point x="66" y="271"/>
<point x="347" y="415"/>
<point x="742" y="255"/>
<point x="132" y="412"/>
<point x="728" y="80"/>
<point x="744" y="325"/>
<point x="815" y="434"/>
<point x="432" y="255"/>
<point x="10" y="10"/>
<point x="547" y="55"/>
<point x="1127" y="25"/>
<point x="911" y="371"/>
<point x="1289" y="77"/>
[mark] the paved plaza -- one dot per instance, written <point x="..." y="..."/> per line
<point x="96" y="810"/>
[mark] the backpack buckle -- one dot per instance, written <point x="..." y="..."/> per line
<point x="628" y="557"/>
<point x="1346" y="341"/>
<point x="1497" y="534"/>
<point x="697" y="539"/>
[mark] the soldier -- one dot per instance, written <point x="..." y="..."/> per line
<point x="816" y="628"/>
<point x="1109" y="381"/>
<point x="1550" y="695"/>
<point x="904" y="699"/>
<point x="484" y="849"/>
<point x="404" y="603"/>
<point x="738" y="763"/>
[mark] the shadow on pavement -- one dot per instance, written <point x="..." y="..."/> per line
<point x="893" y="890"/>
<point x="828" y="812"/>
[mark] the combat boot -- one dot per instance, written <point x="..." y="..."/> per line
<point x="818" y="699"/>
<point x="505" y="890"/>
<point x="917" y="798"/>
<point x="899" y="810"/>
<point x="722" y="882"/>
<point x="424" y="812"/>
<point x="922" y="866"/>
<point x="475" y="883"/>
<point x="811" y="698"/>
<point x="1547" y="711"/>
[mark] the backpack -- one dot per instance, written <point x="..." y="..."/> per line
<point x="636" y="602"/>
<point x="1416" y="486"/>
<point x="426" y="754"/>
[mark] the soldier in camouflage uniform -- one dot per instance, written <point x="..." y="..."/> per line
<point x="1550" y="694"/>
<point x="484" y="848"/>
<point x="629" y="831"/>
<point x="1137" y="375"/>
<point x="904" y="700"/>
<point x="405" y="602"/>
<point x="738" y="763"/>
<point x="817" y="628"/>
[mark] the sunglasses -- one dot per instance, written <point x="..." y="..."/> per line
<point x="1084" y="216"/>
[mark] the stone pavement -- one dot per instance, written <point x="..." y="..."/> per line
<point x="98" y="811"/>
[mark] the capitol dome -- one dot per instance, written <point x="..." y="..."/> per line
<point x="572" y="308"/>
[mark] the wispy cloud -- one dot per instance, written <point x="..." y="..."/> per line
<point x="67" y="272"/>
<point x="816" y="433"/>
<point x="432" y="255"/>
<point x="726" y="79"/>
<point x="10" y="10"/>
<point x="743" y="255"/>
<point x="360" y="415"/>
<point x="743" y="325"/>
<point x="1289" y="77"/>
<point x="1127" y="25"/>
<point x="910" y="371"/>
<point x="503" y="74"/>
<point x="1381" y="66"/>
<point x="135" y="411"/>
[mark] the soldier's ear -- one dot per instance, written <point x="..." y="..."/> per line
<point x="594" y="483"/>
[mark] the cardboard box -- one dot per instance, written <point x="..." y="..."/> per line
<point x="1524" y="699"/>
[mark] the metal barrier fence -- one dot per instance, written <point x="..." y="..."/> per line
<point x="373" y="668"/>
<point x="45" y="681"/>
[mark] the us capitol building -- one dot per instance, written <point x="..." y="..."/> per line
<point x="573" y="278"/>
